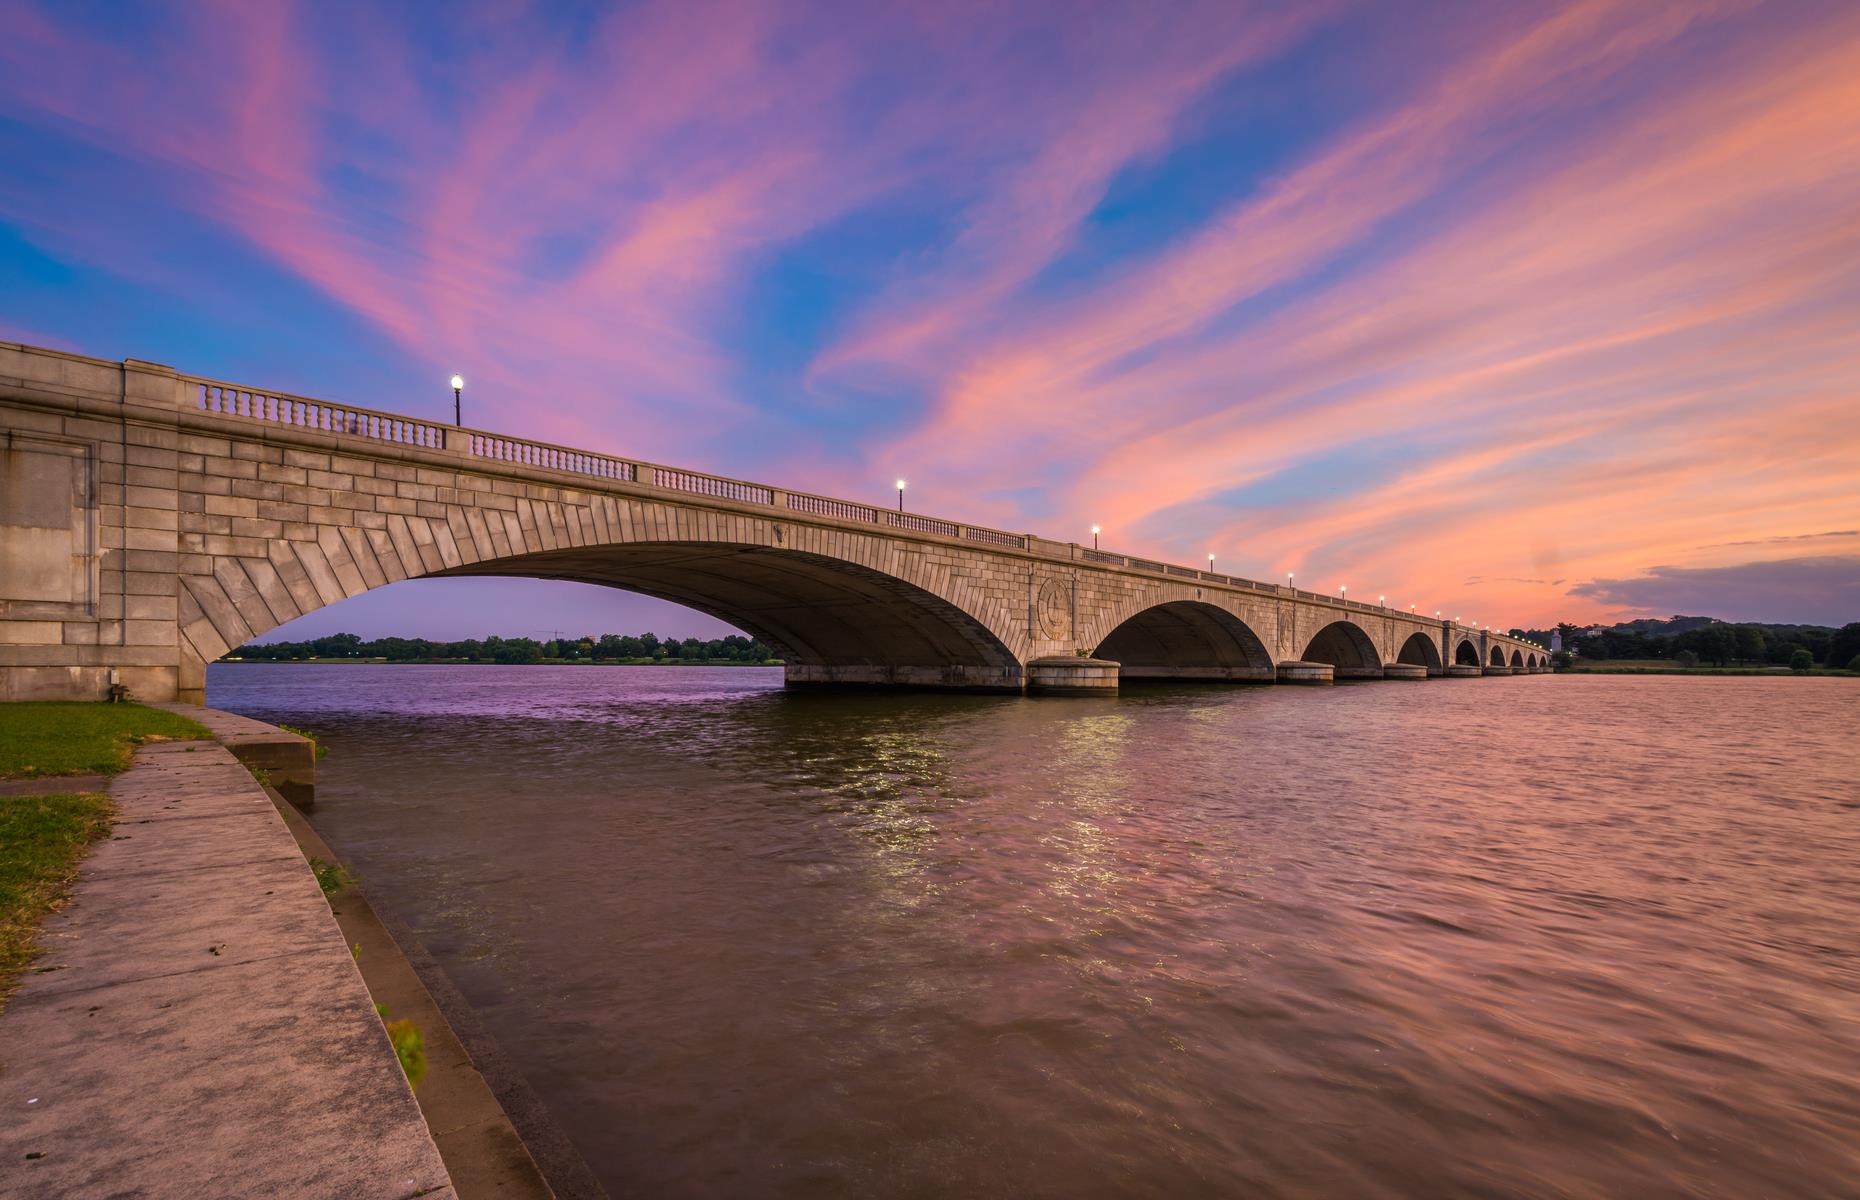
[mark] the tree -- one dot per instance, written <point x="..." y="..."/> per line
<point x="1687" y="658"/>
<point x="339" y="645"/>
<point x="1751" y="644"/>
<point x="1562" y="658"/>
<point x="1844" y="644"/>
<point x="1853" y="664"/>
<point x="514" y="650"/>
<point x="1801" y="661"/>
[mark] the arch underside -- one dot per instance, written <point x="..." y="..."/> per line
<point x="1420" y="650"/>
<point x="1347" y="649"/>
<point x="1465" y="654"/>
<point x="1497" y="657"/>
<point x="832" y="621"/>
<point x="1187" y="640"/>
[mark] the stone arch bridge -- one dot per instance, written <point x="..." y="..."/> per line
<point x="150" y="521"/>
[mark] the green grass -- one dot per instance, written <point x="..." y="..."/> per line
<point x="315" y="741"/>
<point x="331" y="877"/>
<point x="41" y="840"/>
<point x="46" y="738"/>
<point x="409" y="1046"/>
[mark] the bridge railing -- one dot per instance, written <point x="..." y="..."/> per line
<point x="715" y="486"/>
<point x="550" y="458"/>
<point x="298" y="412"/>
<point x="277" y="408"/>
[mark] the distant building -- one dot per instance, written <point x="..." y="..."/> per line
<point x="1556" y="640"/>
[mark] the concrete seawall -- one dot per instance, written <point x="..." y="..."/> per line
<point x="197" y="1026"/>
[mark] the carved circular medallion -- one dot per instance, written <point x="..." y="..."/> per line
<point x="1053" y="606"/>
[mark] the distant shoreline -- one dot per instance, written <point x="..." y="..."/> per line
<point x="1767" y="672"/>
<point x="471" y="662"/>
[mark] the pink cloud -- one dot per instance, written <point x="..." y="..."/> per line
<point x="1596" y="301"/>
<point x="1593" y="270"/>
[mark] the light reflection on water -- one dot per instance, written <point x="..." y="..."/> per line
<point x="1540" y="936"/>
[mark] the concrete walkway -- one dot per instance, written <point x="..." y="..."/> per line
<point x="196" y="1026"/>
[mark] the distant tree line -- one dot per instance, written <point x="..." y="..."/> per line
<point x="608" y="647"/>
<point x="1719" y="643"/>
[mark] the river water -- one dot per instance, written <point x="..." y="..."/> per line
<point x="1541" y="936"/>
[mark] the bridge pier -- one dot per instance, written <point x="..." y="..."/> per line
<point x="1404" y="671"/>
<point x="1497" y="670"/>
<point x="1306" y="672"/>
<point x="1058" y="675"/>
<point x="802" y="676"/>
<point x="1464" y="671"/>
<point x="1198" y="674"/>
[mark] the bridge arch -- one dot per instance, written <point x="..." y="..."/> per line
<point x="1497" y="657"/>
<point x="832" y="620"/>
<point x="1420" y="650"/>
<point x="1347" y="648"/>
<point x="1517" y="659"/>
<point x="839" y="608"/>
<point x="1186" y="639"/>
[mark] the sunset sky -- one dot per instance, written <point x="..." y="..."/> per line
<point x="1523" y="311"/>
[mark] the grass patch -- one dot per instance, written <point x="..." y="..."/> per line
<point x="46" y="738"/>
<point x="331" y="877"/>
<point x="313" y="739"/>
<point x="409" y="1046"/>
<point x="41" y="840"/>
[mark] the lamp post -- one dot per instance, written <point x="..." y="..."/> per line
<point x="900" y="495"/>
<point x="1094" y="537"/>
<point x="1210" y="564"/>
<point x="1288" y="582"/>
<point x="1382" y="601"/>
<point x="1343" y="591"/>
<point x="458" y="387"/>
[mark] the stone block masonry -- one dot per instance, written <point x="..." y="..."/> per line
<point x="151" y="521"/>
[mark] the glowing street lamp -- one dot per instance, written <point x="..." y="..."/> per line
<point x="1343" y="590"/>
<point x="900" y="495"/>
<point x="1288" y="579"/>
<point x="1210" y="564"/>
<point x="458" y="387"/>
<point x="1094" y="537"/>
<point x="1383" y="601"/>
